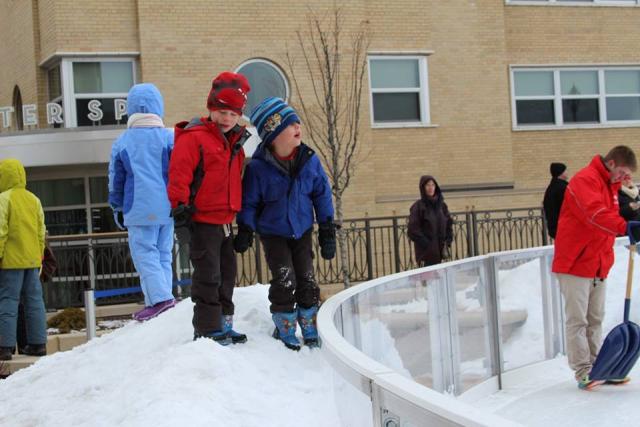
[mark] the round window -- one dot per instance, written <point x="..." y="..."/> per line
<point x="266" y="80"/>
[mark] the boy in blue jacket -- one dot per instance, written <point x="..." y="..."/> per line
<point x="138" y="176"/>
<point x="283" y="185"/>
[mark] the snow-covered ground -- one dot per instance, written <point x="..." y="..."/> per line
<point x="154" y="374"/>
<point x="548" y="396"/>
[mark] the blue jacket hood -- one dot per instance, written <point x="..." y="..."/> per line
<point x="145" y="98"/>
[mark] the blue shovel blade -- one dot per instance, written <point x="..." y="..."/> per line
<point x="611" y="353"/>
<point x="631" y="356"/>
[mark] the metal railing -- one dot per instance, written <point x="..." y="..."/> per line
<point x="375" y="247"/>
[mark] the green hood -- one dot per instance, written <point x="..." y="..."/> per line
<point x="12" y="175"/>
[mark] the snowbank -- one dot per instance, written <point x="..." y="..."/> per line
<point x="154" y="374"/>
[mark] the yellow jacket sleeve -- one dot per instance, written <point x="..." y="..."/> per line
<point x="4" y="220"/>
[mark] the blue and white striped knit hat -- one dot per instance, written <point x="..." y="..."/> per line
<point x="271" y="117"/>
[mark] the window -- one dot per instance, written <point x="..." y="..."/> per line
<point x="399" y="92"/>
<point x="266" y="80"/>
<point x="69" y="208"/>
<point x="574" y="97"/>
<point x="89" y="92"/>
<point x="96" y="86"/>
<point x="17" y="108"/>
<point x="577" y="2"/>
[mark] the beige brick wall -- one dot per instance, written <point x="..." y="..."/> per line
<point x="88" y="26"/>
<point x="183" y="45"/>
<point x="18" y="53"/>
<point x="568" y="35"/>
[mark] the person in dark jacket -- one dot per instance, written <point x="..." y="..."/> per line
<point x="430" y="224"/>
<point x="629" y="200"/>
<point x="554" y="195"/>
<point x="205" y="191"/>
<point x="284" y="185"/>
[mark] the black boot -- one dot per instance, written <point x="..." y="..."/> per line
<point x="6" y="353"/>
<point x="35" y="350"/>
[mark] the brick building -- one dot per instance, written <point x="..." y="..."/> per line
<point x="483" y="94"/>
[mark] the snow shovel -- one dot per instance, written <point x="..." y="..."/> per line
<point x="621" y="347"/>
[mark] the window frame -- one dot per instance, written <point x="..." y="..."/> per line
<point x="67" y="85"/>
<point x="423" y="92"/>
<point x="88" y="204"/>
<point x="558" y="97"/>
<point x="280" y="71"/>
<point x="579" y="3"/>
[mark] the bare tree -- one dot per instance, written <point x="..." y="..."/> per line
<point x="335" y="70"/>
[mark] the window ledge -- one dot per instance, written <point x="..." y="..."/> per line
<point x="574" y="127"/>
<point x="586" y="4"/>
<point x="402" y="125"/>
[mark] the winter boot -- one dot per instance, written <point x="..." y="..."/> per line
<point x="148" y="313"/>
<point x="220" y="337"/>
<point x="307" y="320"/>
<point x="227" y="327"/>
<point x="285" y="330"/>
<point x="34" y="350"/>
<point x="6" y="353"/>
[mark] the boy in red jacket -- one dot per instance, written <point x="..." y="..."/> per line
<point x="205" y="186"/>
<point x="588" y="225"/>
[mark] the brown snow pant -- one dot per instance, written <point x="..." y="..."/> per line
<point x="584" y="312"/>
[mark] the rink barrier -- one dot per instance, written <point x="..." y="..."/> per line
<point x="397" y="400"/>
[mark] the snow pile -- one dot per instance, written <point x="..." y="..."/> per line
<point x="154" y="374"/>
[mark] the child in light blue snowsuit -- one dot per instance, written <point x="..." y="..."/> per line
<point x="138" y="176"/>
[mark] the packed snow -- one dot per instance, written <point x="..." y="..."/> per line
<point x="155" y="374"/>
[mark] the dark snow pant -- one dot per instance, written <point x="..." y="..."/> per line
<point x="292" y="279"/>
<point x="214" y="275"/>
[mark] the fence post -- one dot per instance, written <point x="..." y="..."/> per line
<point x="396" y="243"/>
<point x="470" y="251"/>
<point x="89" y="298"/>
<point x="474" y="228"/>
<point x="258" y="260"/>
<point x="367" y="234"/>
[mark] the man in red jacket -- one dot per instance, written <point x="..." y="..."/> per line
<point x="588" y="225"/>
<point x="205" y="183"/>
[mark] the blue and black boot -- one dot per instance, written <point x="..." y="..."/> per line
<point x="227" y="327"/>
<point x="285" y="330"/>
<point x="220" y="337"/>
<point x="307" y="320"/>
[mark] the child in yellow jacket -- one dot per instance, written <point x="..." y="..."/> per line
<point x="22" y="232"/>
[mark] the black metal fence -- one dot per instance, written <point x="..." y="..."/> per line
<point x="375" y="247"/>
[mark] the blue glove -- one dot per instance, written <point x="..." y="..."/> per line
<point x="118" y="218"/>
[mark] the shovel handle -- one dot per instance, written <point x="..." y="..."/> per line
<point x="632" y="250"/>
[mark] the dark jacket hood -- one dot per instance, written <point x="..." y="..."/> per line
<point x="423" y="194"/>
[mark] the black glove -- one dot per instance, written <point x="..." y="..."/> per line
<point x="182" y="215"/>
<point x="327" y="239"/>
<point x="244" y="239"/>
<point x="633" y="231"/>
